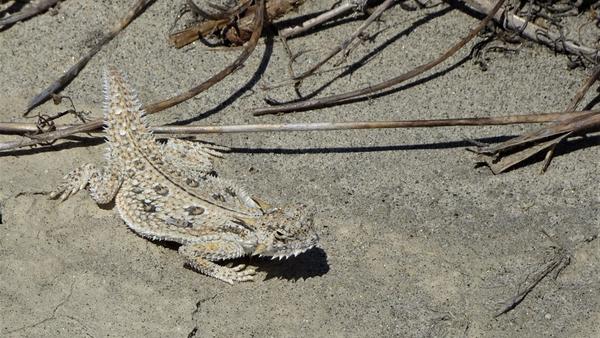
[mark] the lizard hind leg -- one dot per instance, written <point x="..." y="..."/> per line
<point x="200" y="257"/>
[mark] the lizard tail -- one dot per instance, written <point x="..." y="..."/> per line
<point x="123" y="114"/>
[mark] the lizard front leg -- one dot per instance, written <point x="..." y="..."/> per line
<point x="102" y="185"/>
<point x="201" y="255"/>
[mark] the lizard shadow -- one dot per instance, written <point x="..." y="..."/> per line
<point x="312" y="263"/>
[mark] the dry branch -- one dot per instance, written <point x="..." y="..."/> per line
<point x="365" y="92"/>
<point x="153" y="107"/>
<point x="558" y="262"/>
<point x="584" y="89"/>
<point x="95" y="126"/>
<point x="327" y="126"/>
<point x="51" y="136"/>
<point x="502" y="159"/>
<point x="68" y="76"/>
<point x="29" y="11"/>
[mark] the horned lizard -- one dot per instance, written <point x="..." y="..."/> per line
<point x="169" y="192"/>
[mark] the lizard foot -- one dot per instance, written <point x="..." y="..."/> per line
<point x="73" y="182"/>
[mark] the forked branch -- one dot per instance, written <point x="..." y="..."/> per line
<point x="372" y="89"/>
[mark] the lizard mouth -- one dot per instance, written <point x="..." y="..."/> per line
<point x="293" y="252"/>
<point x="287" y="253"/>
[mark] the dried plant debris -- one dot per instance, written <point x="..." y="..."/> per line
<point x="19" y="10"/>
<point x="505" y="155"/>
<point x="230" y="25"/>
<point x="557" y="263"/>
<point x="508" y="154"/>
<point x="546" y="22"/>
<point x="279" y="107"/>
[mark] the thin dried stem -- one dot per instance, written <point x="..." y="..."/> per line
<point x="506" y="155"/>
<point x="542" y="139"/>
<point x="233" y="25"/>
<point x="344" y="45"/>
<point x="583" y="121"/>
<point x="341" y="98"/>
<point x="29" y="11"/>
<point x="585" y="87"/>
<point x="52" y="136"/>
<point x="572" y="106"/>
<point x="559" y="261"/>
<point x="67" y="77"/>
<point x="325" y="126"/>
<point x="65" y="131"/>
<point x="347" y="6"/>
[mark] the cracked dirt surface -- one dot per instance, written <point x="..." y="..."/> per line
<point x="416" y="240"/>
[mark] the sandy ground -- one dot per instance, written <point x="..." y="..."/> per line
<point x="416" y="239"/>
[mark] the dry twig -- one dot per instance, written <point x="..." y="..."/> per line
<point x="49" y="137"/>
<point x="29" y="11"/>
<point x="63" y="131"/>
<point x="585" y="87"/>
<point x="237" y="64"/>
<point x="558" y="262"/>
<point x="348" y="6"/>
<point x="374" y="16"/>
<point x="153" y="107"/>
<point x="68" y="76"/>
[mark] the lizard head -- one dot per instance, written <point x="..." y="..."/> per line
<point x="285" y="232"/>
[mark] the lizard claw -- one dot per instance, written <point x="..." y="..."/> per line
<point x="73" y="182"/>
